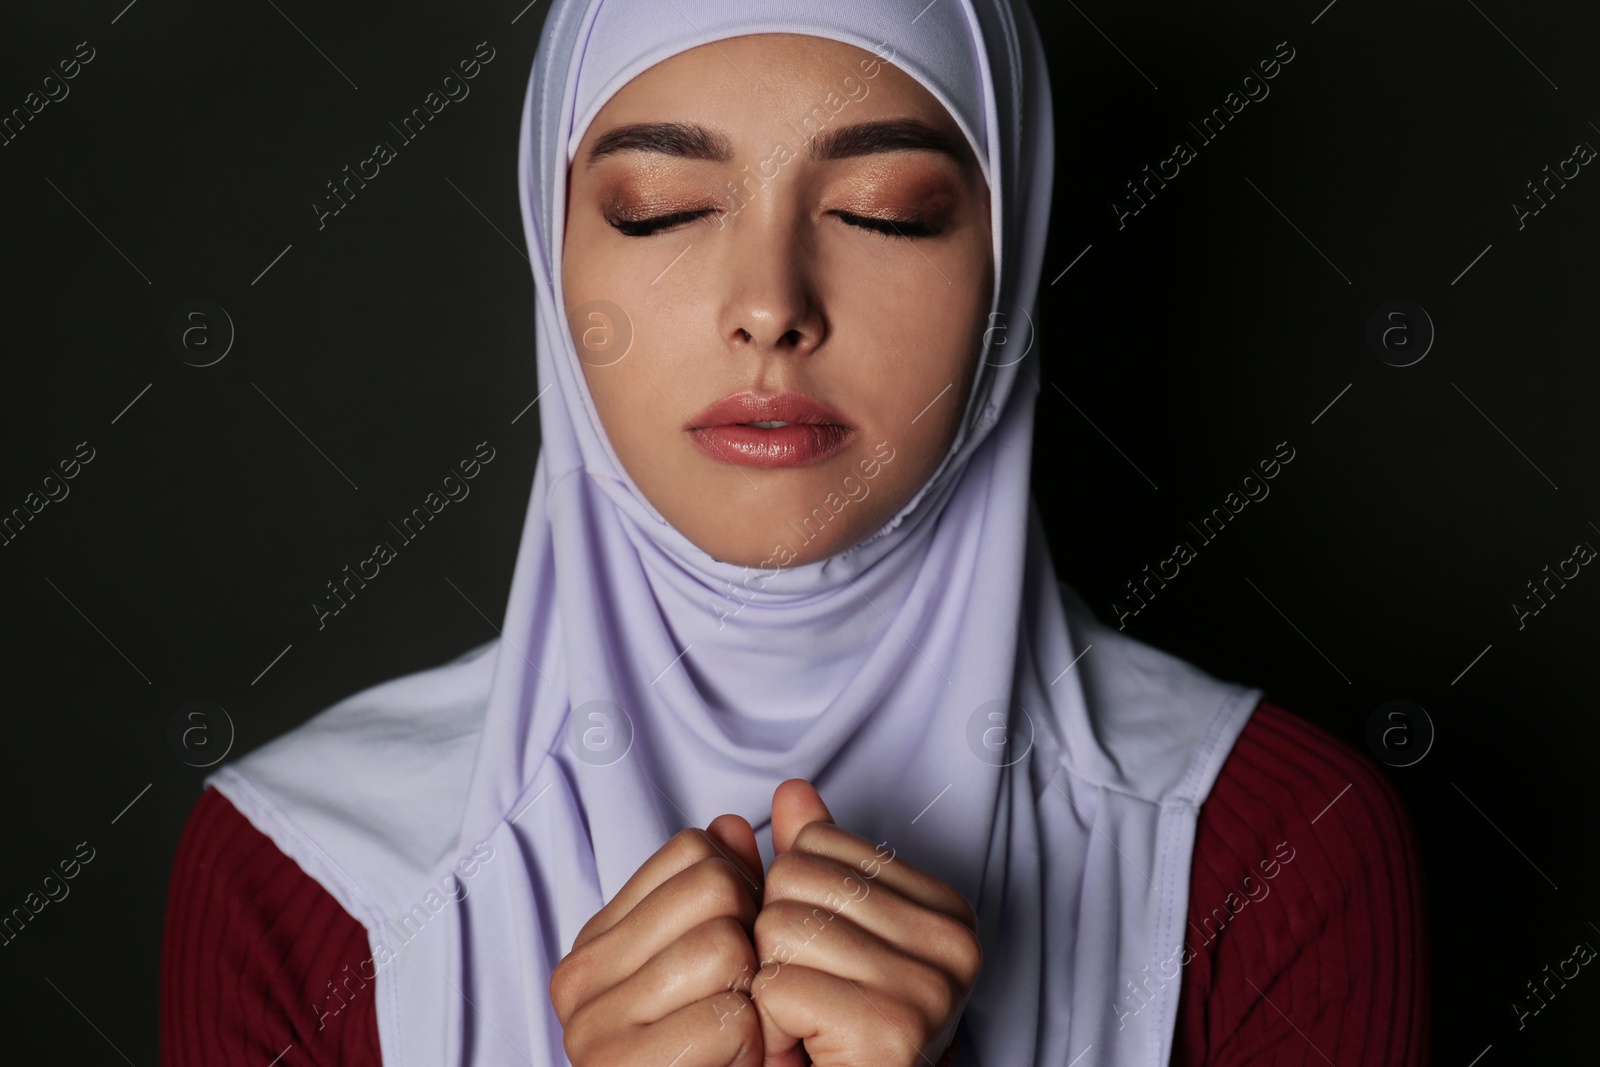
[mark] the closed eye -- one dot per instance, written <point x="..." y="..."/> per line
<point x="890" y="227"/>
<point x="646" y="227"/>
<point x="908" y="228"/>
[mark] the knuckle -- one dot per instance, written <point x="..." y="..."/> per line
<point x="813" y="834"/>
<point x="567" y="983"/>
<point x="689" y="846"/>
<point x="787" y="874"/>
<point x="717" y="886"/>
<point x="723" y="943"/>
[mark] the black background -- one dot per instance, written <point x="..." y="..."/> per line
<point x="1227" y="316"/>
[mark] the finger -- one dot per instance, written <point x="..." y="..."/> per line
<point x="709" y="889"/>
<point x="882" y="939"/>
<point x="683" y="850"/>
<point x="794" y="804"/>
<point x="715" y="957"/>
<point x="839" y="1021"/>
<point x="734" y="835"/>
<point x="722" y="1030"/>
<point x="880" y="864"/>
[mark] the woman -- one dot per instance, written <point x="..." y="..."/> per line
<point x="781" y="547"/>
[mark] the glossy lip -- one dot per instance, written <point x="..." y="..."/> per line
<point x="814" y="433"/>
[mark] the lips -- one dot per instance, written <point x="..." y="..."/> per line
<point x="740" y="430"/>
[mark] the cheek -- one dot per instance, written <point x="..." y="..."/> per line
<point x="920" y="335"/>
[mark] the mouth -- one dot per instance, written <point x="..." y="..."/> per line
<point x="780" y="430"/>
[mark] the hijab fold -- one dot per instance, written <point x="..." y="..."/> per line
<point x="935" y="682"/>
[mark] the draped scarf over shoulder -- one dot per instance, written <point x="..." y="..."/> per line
<point x="935" y="682"/>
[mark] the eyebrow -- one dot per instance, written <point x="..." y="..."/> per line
<point x="693" y="141"/>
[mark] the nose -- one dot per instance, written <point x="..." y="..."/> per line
<point x="772" y="305"/>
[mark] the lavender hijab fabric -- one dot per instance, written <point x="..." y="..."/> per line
<point x="934" y="682"/>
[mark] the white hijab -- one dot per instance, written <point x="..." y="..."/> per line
<point x="934" y="682"/>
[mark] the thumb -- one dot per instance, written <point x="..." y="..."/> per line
<point x="795" y="803"/>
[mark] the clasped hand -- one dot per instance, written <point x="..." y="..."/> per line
<point x="841" y="955"/>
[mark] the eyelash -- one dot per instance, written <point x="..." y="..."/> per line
<point x="885" y="228"/>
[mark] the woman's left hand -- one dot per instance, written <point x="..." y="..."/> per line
<point x="865" y="960"/>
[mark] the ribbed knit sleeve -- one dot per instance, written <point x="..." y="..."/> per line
<point x="1305" y="912"/>
<point x="259" y="964"/>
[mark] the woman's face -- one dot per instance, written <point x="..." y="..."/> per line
<point x="795" y="224"/>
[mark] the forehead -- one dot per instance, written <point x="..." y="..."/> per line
<point x="761" y="84"/>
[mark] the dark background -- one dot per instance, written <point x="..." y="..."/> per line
<point x="1179" y="349"/>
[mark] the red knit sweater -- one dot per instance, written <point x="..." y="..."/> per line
<point x="1306" y="926"/>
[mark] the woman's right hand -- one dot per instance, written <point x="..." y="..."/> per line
<point x="661" y="974"/>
